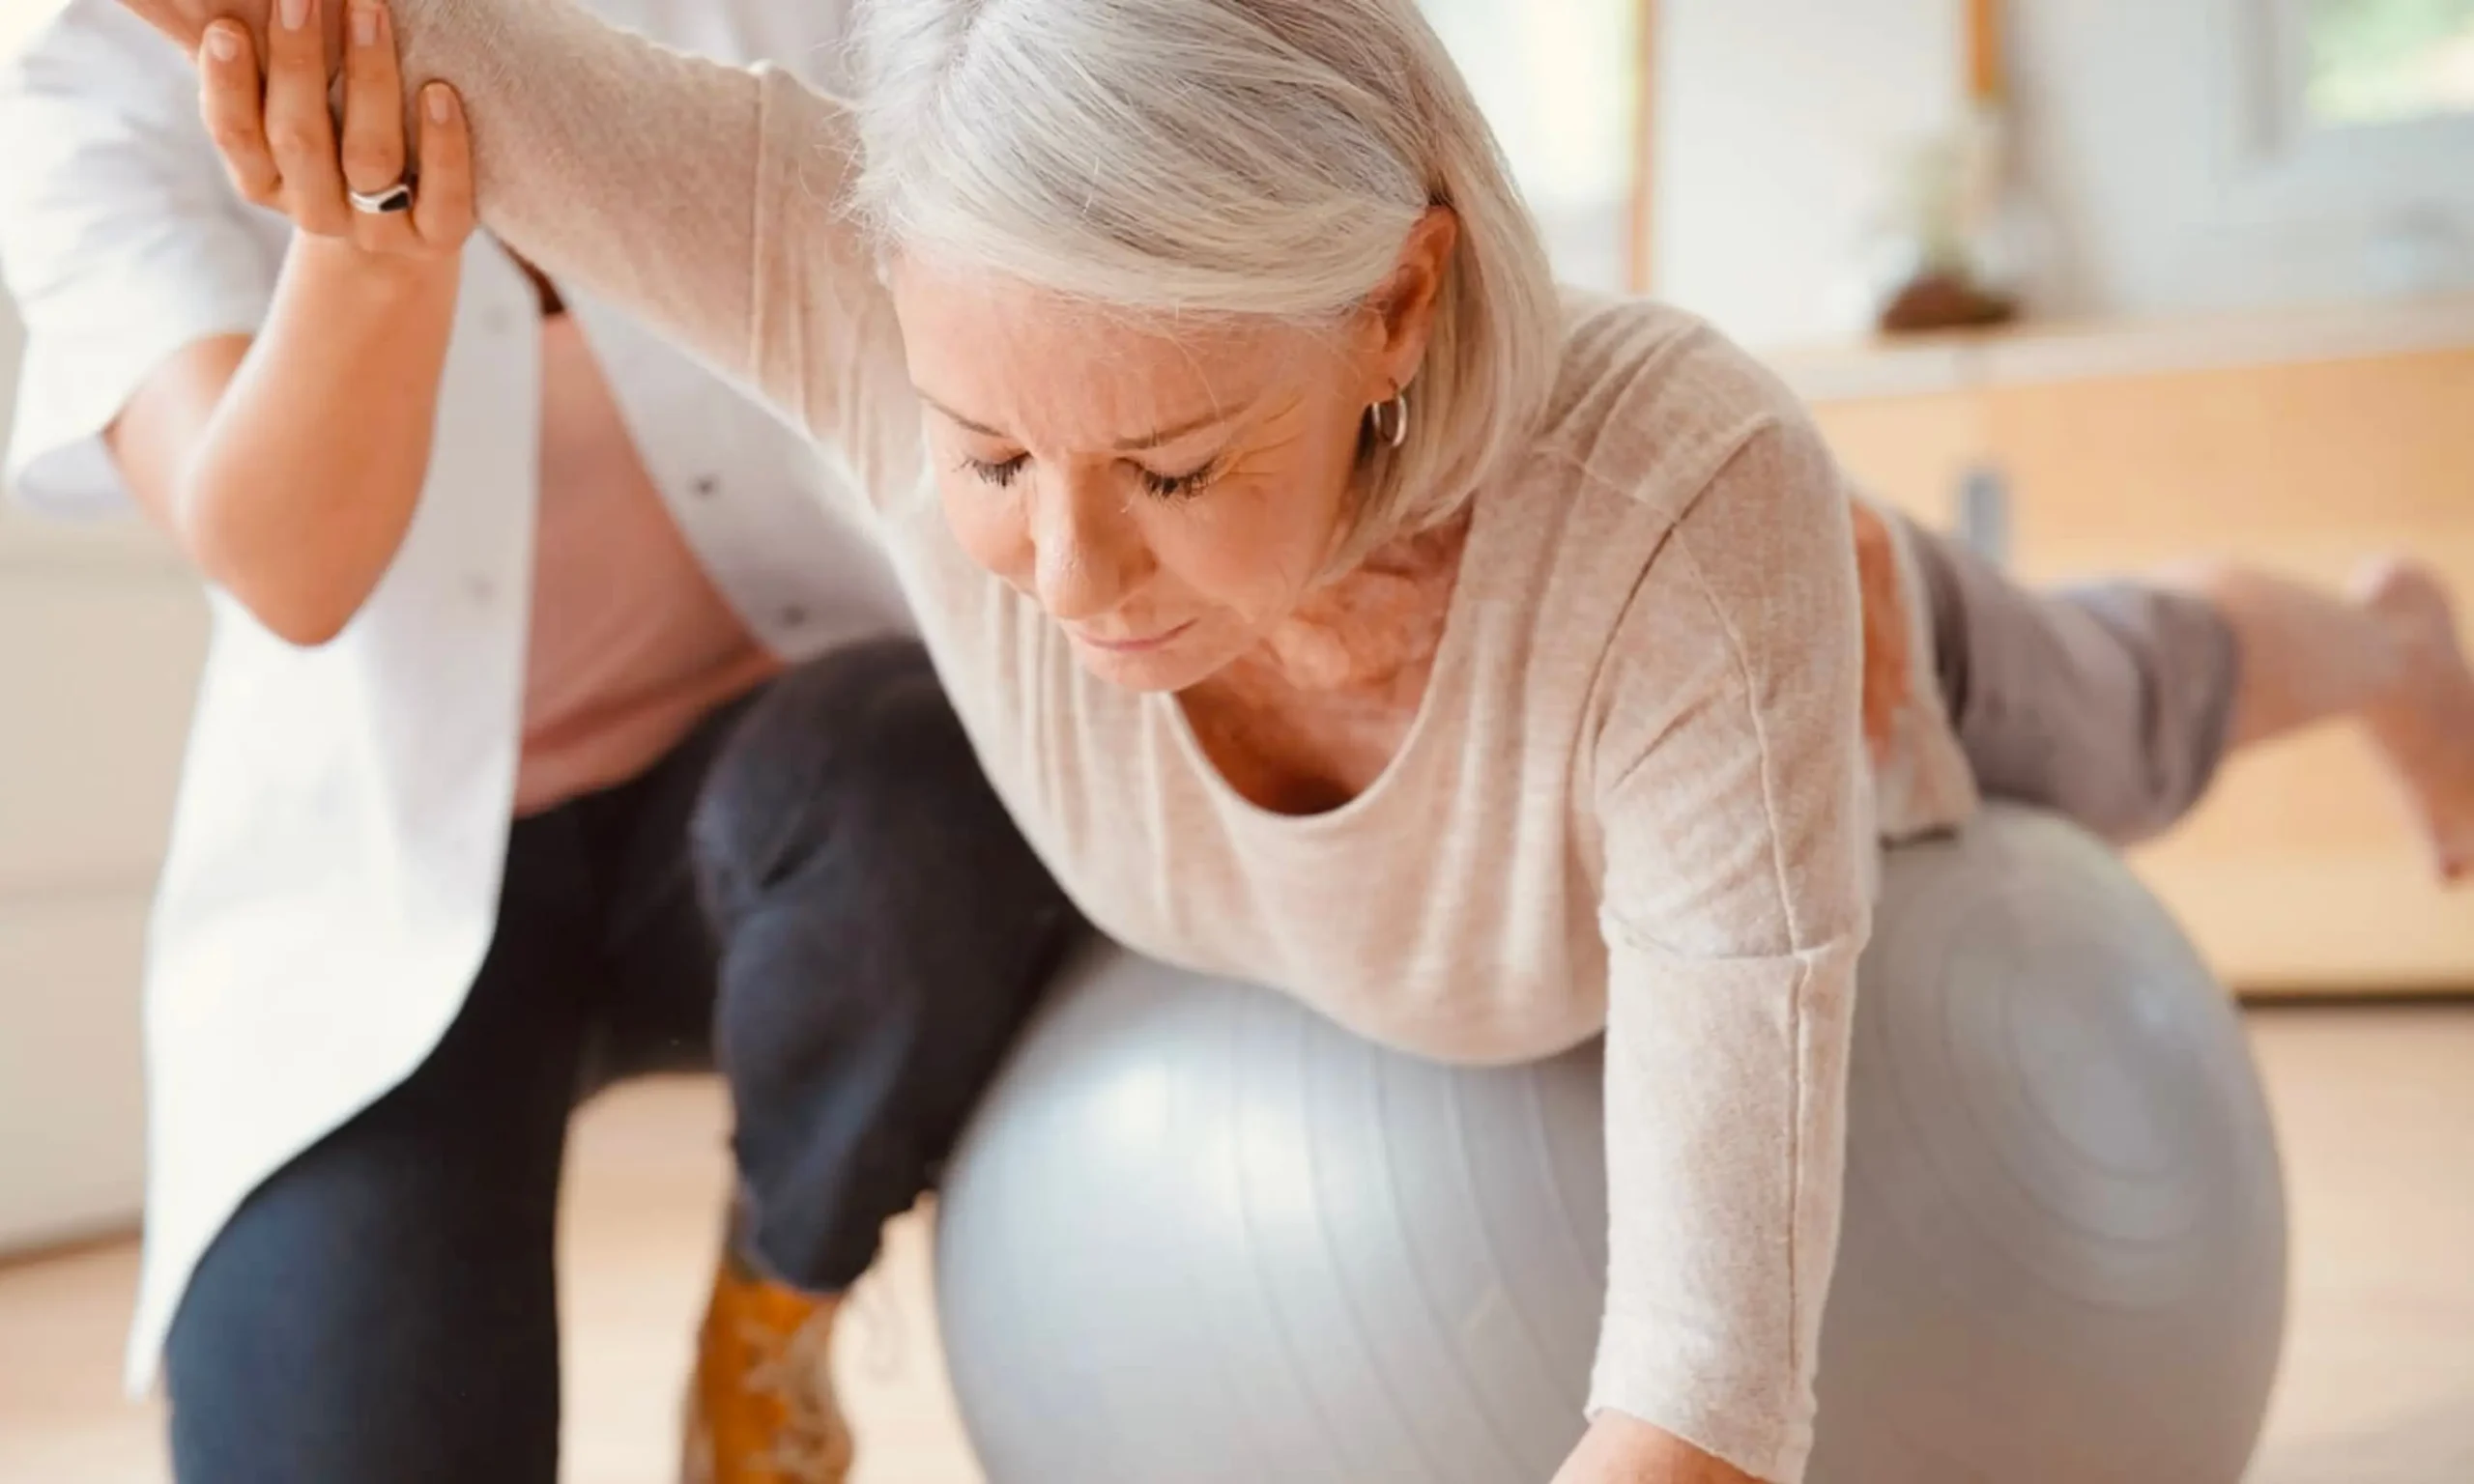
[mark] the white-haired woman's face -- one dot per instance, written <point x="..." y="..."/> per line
<point x="1168" y="496"/>
<point x="1170" y="493"/>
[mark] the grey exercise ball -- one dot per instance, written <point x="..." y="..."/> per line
<point x="1197" y="1233"/>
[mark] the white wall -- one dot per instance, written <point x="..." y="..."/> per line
<point x="1776" y="118"/>
<point x="2156" y="134"/>
<point x="11" y="345"/>
<point x="1556" y="80"/>
<point x="100" y="638"/>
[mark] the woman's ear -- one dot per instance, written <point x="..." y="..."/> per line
<point x="1403" y="307"/>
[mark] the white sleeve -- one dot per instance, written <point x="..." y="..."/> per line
<point x="120" y="240"/>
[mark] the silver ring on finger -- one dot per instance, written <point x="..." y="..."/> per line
<point x="397" y="197"/>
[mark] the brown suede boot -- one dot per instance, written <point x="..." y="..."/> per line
<point x="761" y="1409"/>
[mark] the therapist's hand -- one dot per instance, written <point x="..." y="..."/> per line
<point x="1886" y="660"/>
<point x="288" y="463"/>
<point x="285" y="151"/>
<point x="1619" y="1449"/>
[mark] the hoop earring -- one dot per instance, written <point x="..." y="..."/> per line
<point x="1398" y="407"/>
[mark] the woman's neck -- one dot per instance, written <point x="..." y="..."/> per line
<point x="1371" y="633"/>
<point x="1312" y="717"/>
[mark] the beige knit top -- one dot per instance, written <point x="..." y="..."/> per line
<point x="1635" y="796"/>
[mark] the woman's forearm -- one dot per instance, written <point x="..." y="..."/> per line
<point x="294" y="489"/>
<point x="615" y="164"/>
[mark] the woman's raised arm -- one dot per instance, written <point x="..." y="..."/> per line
<point x="703" y="198"/>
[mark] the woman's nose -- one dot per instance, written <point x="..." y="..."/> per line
<point x="1089" y="556"/>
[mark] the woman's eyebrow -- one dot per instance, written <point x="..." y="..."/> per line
<point x="972" y="423"/>
<point x="1151" y="440"/>
<point x="1170" y="435"/>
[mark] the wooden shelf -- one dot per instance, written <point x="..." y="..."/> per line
<point x="2102" y="350"/>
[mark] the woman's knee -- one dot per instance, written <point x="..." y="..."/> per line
<point x="2106" y="703"/>
<point x="2171" y="714"/>
<point x="852" y="853"/>
<point x="883" y="931"/>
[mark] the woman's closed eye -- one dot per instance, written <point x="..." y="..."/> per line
<point x="1001" y="472"/>
<point x="1182" y="486"/>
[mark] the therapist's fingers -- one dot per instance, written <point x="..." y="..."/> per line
<point x="230" y="91"/>
<point x="300" y="125"/>
<point x="373" y="142"/>
<point x="1884" y="626"/>
<point x="443" y="211"/>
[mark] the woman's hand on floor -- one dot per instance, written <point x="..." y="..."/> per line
<point x="1620" y="1449"/>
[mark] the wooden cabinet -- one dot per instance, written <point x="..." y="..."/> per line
<point x="2306" y="456"/>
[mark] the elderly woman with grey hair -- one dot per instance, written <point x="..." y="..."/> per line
<point x="1336" y="604"/>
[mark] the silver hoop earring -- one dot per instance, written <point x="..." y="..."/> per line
<point x="1398" y="407"/>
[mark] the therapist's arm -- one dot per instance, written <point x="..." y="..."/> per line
<point x="712" y="202"/>
<point x="288" y="465"/>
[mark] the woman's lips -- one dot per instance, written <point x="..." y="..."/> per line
<point x="1139" y="646"/>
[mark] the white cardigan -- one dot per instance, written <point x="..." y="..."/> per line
<point x="336" y="854"/>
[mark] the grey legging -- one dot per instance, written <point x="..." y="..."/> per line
<point x="2109" y="704"/>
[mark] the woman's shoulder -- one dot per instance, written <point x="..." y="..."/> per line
<point x="1658" y="426"/>
<point x="1651" y="403"/>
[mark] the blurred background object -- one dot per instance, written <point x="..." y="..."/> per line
<point x="2387" y="61"/>
<point x="2202" y="274"/>
<point x="1954" y="234"/>
<point x="2193" y="156"/>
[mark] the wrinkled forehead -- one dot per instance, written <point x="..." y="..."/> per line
<point x="1001" y="356"/>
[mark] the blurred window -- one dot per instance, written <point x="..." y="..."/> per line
<point x="1558" y="81"/>
<point x="2388" y="61"/>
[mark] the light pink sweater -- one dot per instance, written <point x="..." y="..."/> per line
<point x="1635" y="799"/>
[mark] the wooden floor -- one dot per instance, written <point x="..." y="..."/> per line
<point x="2375" y="1108"/>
